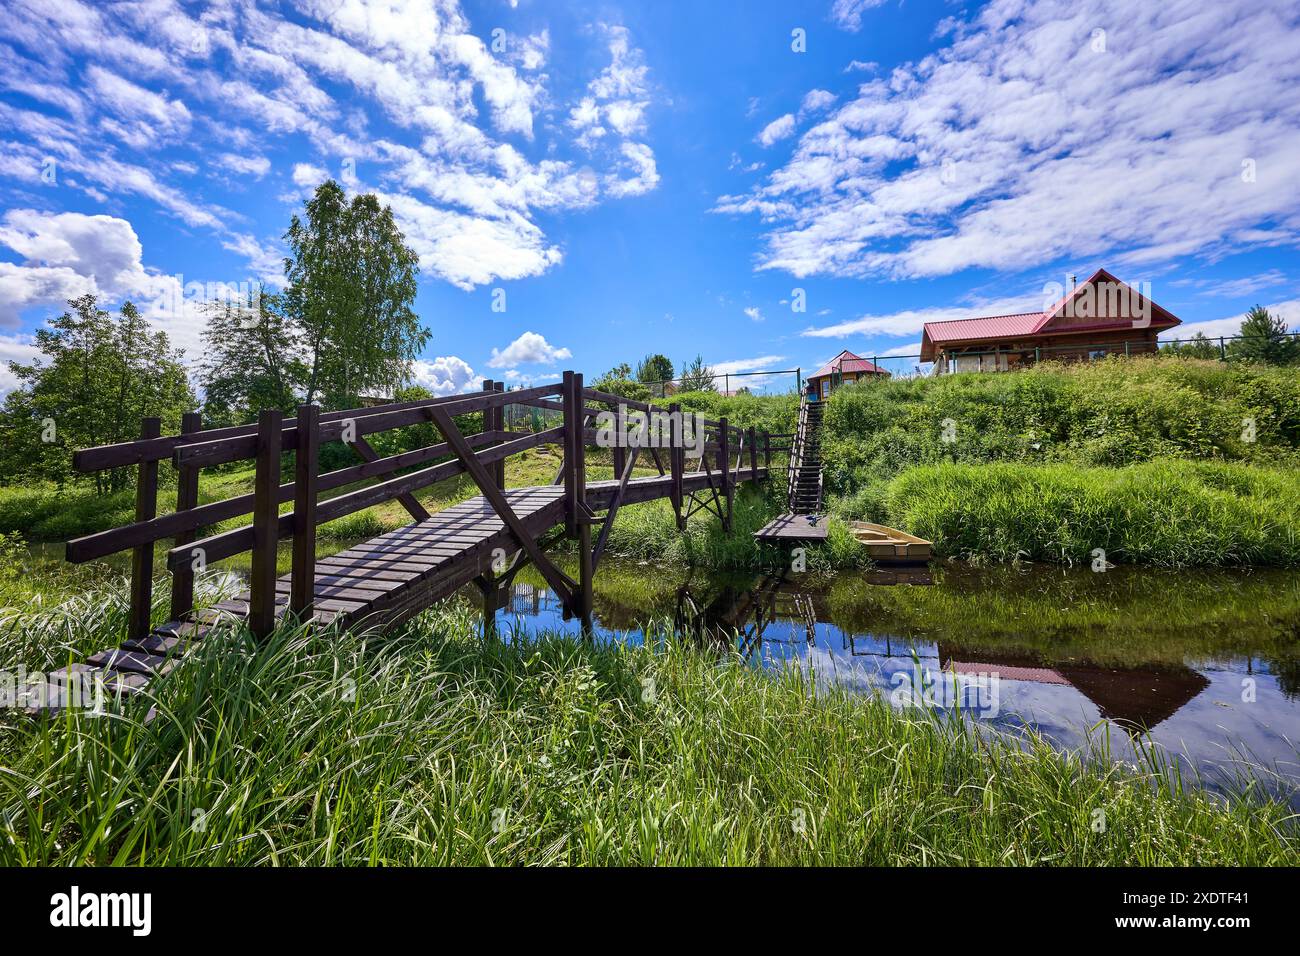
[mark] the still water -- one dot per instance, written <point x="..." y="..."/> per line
<point x="1205" y="665"/>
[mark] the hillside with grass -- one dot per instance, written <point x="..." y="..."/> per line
<point x="1159" y="460"/>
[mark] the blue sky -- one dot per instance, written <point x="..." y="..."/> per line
<point x="658" y="177"/>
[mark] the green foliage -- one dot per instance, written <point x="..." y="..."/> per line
<point x="351" y="282"/>
<point x="1114" y="412"/>
<point x="776" y="414"/>
<point x="1264" y="338"/>
<point x="619" y="381"/>
<point x="1198" y="346"/>
<point x="1172" y="513"/>
<point x="696" y="376"/>
<point x="250" y="360"/>
<point x="97" y="377"/>
<point x="654" y="368"/>
<point x="430" y="746"/>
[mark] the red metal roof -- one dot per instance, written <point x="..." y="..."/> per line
<point x="988" y="327"/>
<point x="846" y="361"/>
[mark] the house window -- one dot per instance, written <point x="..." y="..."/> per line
<point x="1096" y="354"/>
<point x="826" y="388"/>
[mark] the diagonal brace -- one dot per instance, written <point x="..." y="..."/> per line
<point x="451" y="434"/>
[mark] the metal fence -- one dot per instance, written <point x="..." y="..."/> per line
<point x="1001" y="360"/>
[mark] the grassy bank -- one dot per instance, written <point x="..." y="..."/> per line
<point x="1155" y="460"/>
<point x="430" y="746"/>
<point x="1170" y="513"/>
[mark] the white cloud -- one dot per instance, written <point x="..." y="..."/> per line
<point x="308" y="176"/>
<point x="444" y="375"/>
<point x="1021" y="144"/>
<point x="847" y="14"/>
<point x="911" y="321"/>
<point x="255" y="166"/>
<point x="815" y="101"/>
<point x="207" y="93"/>
<point x="754" y="312"/>
<point x="1235" y="288"/>
<point x="529" y="349"/>
<point x="640" y="159"/>
<point x="759" y="364"/>
<point x="1288" y="311"/>
<point x="14" y="349"/>
<point x="780" y="128"/>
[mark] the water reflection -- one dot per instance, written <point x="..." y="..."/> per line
<point x="1202" y="664"/>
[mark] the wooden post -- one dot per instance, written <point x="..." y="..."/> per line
<point x="619" y="451"/>
<point x="767" y="450"/>
<point x="266" y="520"/>
<point x="586" y="591"/>
<point x="499" y="468"/>
<point x="187" y="497"/>
<point x="146" y="506"/>
<point x="572" y="431"/>
<point x="676" y="462"/>
<point x="306" y="468"/>
<point x="753" y="453"/>
<point x="724" y="455"/>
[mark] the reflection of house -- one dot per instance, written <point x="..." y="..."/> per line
<point x="1095" y="318"/>
<point x="845" y="367"/>
<point x="1137" y="698"/>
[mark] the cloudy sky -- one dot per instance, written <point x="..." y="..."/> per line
<point x="764" y="183"/>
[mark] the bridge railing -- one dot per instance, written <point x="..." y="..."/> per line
<point x="481" y="454"/>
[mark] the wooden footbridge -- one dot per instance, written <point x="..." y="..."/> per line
<point x="484" y="540"/>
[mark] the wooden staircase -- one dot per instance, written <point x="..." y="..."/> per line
<point x="805" y="472"/>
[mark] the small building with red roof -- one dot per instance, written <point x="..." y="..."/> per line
<point x="1098" y="317"/>
<point x="845" y="367"/>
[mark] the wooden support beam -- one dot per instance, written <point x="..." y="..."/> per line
<point x="614" y="505"/>
<point x="677" y="464"/>
<point x="586" y="569"/>
<point x="369" y="455"/>
<point x="266" y="484"/>
<point x="753" y="454"/>
<point x="724" y="459"/>
<point x="146" y="505"/>
<point x="572" y="438"/>
<point x="499" y="423"/>
<point x="302" y="590"/>
<point x="497" y="499"/>
<point x="187" y="498"/>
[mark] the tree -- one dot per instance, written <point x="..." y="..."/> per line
<point x="249" y="361"/>
<point x="99" y="377"/>
<point x="1264" y="338"/>
<point x="1198" y="347"/>
<point x="697" y="377"/>
<point x="351" y="282"/>
<point x="654" y="369"/>
<point x="618" y="381"/>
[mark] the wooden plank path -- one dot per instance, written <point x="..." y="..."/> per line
<point x="793" y="527"/>
<point x="484" y="540"/>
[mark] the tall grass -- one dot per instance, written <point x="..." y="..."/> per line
<point x="1170" y="513"/>
<point x="429" y="746"/>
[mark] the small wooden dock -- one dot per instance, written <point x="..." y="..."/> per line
<point x="793" y="527"/>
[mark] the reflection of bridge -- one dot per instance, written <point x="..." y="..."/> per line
<point x="485" y="540"/>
